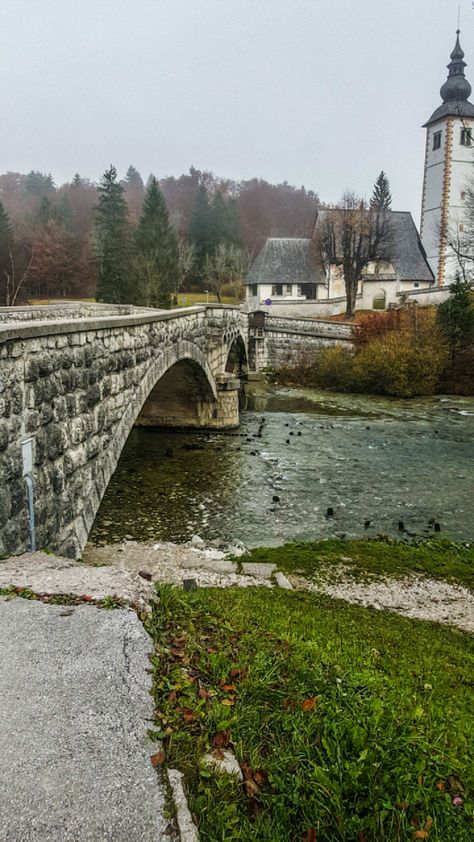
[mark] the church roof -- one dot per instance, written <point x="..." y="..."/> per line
<point x="407" y="253"/>
<point x="456" y="90"/>
<point x="290" y="260"/>
<point x="283" y="260"/>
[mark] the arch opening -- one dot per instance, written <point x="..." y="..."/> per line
<point x="237" y="362"/>
<point x="182" y="397"/>
<point x="379" y="300"/>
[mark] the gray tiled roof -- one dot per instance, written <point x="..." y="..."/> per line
<point x="407" y="254"/>
<point x="457" y="108"/>
<point x="292" y="260"/>
<point x="405" y="251"/>
<point x="283" y="260"/>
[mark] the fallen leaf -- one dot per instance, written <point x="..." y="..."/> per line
<point x="157" y="759"/>
<point x="308" y="704"/>
<point x="237" y="672"/>
<point x="87" y="598"/>
<point x="221" y="739"/>
<point x="402" y="805"/>
<point x="178" y="653"/>
<point x="251" y="788"/>
<point x="310" y="835"/>
<point x="260" y="777"/>
<point x="228" y="702"/>
<point x="420" y="834"/>
<point x="189" y="716"/>
<point x="202" y="693"/>
<point x="428" y="824"/>
<point x="229" y="688"/>
<point x="172" y="696"/>
<point x="441" y="786"/>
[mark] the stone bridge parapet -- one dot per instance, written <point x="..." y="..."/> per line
<point x="75" y="380"/>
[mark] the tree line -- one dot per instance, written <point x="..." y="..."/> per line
<point x="124" y="241"/>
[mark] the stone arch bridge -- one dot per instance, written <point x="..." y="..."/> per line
<point x="75" y="379"/>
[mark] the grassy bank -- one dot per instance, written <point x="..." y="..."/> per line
<point x="371" y="558"/>
<point x="348" y="724"/>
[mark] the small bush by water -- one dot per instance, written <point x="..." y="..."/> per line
<point x="402" y="353"/>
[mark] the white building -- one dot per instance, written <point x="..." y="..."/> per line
<point x="449" y="170"/>
<point x="289" y="273"/>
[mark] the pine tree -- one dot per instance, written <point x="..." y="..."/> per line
<point x="223" y="222"/>
<point x="380" y="224"/>
<point x="156" y="251"/>
<point x="112" y="241"/>
<point x="455" y="317"/>
<point x="199" y="227"/>
<point x="381" y="197"/>
<point x="134" y="178"/>
<point x="6" y="242"/>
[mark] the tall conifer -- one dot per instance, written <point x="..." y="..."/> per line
<point x="156" y="251"/>
<point x="200" y="228"/>
<point x="112" y="241"/>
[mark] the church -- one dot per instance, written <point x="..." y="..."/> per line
<point x="292" y="279"/>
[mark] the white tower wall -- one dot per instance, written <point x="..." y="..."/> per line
<point x="448" y="172"/>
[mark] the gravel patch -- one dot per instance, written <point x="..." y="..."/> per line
<point x="413" y="596"/>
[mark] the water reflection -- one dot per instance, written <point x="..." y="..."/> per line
<point x="368" y="459"/>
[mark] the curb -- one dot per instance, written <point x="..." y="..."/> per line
<point x="187" y="829"/>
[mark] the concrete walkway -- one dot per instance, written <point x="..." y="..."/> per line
<point x="74" y="705"/>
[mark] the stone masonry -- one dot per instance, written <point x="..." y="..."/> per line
<point x="77" y="381"/>
<point x="77" y="377"/>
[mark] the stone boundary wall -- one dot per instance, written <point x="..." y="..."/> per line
<point x="426" y="297"/>
<point x="67" y="310"/>
<point x="319" y="308"/>
<point x="77" y="386"/>
<point x="288" y="339"/>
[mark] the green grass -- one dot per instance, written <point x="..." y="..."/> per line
<point x="368" y="559"/>
<point x="187" y="299"/>
<point x="353" y="723"/>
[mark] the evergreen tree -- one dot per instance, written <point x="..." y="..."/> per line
<point x="223" y="222"/>
<point x="380" y="224"/>
<point x="77" y="180"/>
<point x="200" y="227"/>
<point x="112" y="241"/>
<point x="134" y="178"/>
<point x="381" y="197"/>
<point x="156" y="251"/>
<point x="6" y="242"/>
<point x="455" y="318"/>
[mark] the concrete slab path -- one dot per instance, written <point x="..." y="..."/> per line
<point x="74" y="709"/>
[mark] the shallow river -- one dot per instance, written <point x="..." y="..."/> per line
<point x="368" y="459"/>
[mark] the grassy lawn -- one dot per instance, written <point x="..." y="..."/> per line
<point x="372" y="558"/>
<point x="348" y="724"/>
<point x="187" y="299"/>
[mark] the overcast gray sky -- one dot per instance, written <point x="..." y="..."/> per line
<point x="324" y="93"/>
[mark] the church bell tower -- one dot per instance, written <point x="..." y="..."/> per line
<point x="449" y="169"/>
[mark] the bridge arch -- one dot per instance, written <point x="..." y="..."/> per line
<point x="167" y="379"/>
<point x="237" y="357"/>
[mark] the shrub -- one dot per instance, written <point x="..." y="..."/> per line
<point x="399" y="355"/>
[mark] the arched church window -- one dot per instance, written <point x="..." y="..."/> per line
<point x="378" y="302"/>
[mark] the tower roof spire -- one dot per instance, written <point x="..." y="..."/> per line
<point x="456" y="90"/>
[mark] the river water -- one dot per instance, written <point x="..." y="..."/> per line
<point x="366" y="458"/>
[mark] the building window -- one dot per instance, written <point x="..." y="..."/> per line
<point x="437" y="140"/>
<point x="466" y="137"/>
<point x="288" y="289"/>
<point x="416" y="285"/>
<point x="463" y="195"/>
<point x="277" y="289"/>
<point x="378" y="302"/>
<point x="253" y="289"/>
<point x="461" y="227"/>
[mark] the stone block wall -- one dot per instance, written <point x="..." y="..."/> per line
<point x="288" y="340"/>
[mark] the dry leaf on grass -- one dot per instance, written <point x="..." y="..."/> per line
<point x="157" y="759"/>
